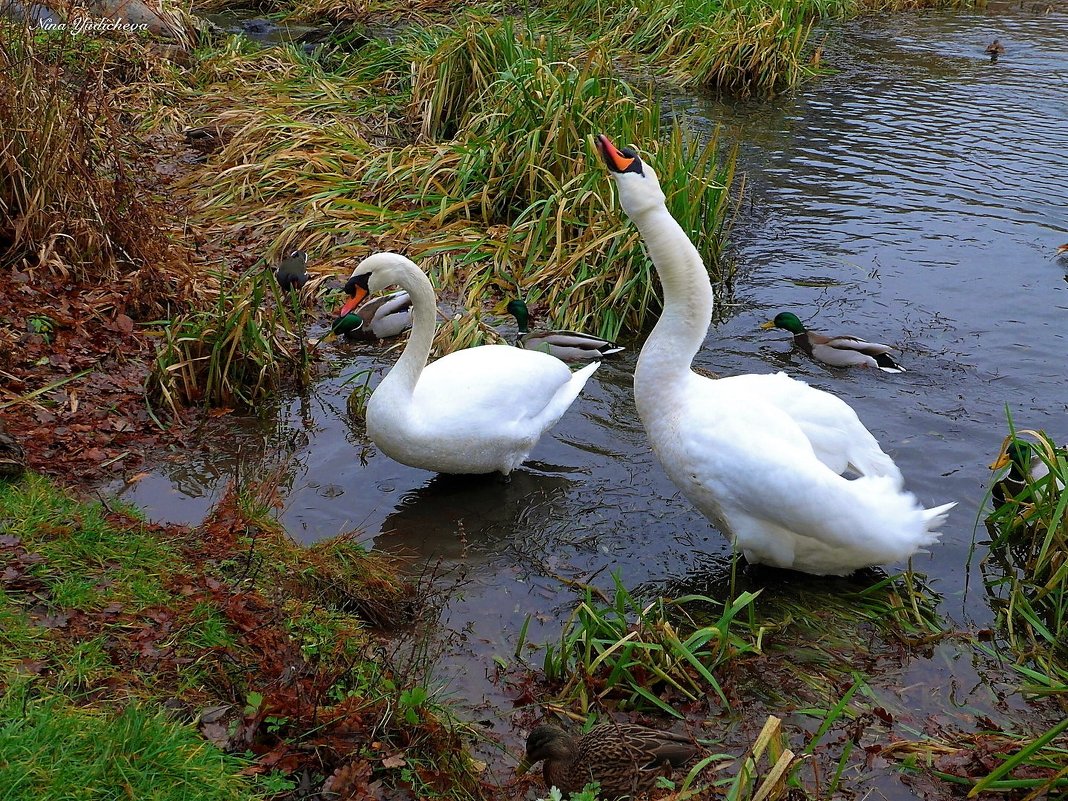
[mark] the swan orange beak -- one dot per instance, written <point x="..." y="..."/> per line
<point x="615" y="160"/>
<point x="358" y="296"/>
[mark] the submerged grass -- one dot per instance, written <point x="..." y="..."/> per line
<point x="643" y="656"/>
<point x="666" y="653"/>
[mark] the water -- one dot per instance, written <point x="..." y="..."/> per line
<point x="916" y="197"/>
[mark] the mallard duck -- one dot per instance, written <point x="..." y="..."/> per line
<point x="292" y="272"/>
<point x="380" y="318"/>
<point x="1027" y="469"/>
<point x="761" y="456"/>
<point x="624" y="758"/>
<point x="477" y="410"/>
<point x="995" y="49"/>
<point x="838" y="351"/>
<point x="570" y="346"/>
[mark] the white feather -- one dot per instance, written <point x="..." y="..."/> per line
<point x="760" y="455"/>
<point x="478" y="410"/>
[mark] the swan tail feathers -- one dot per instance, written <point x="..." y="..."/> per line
<point x="580" y="377"/>
<point x="897" y="523"/>
<point x="936" y="516"/>
<point x="873" y="461"/>
<point x="566" y="395"/>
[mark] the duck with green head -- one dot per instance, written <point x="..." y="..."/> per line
<point x="839" y="351"/>
<point x="381" y="318"/>
<point x="568" y="346"/>
<point x="1028" y="471"/>
<point x="623" y="758"/>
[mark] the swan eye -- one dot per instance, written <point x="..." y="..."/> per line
<point x="357" y="281"/>
<point x="635" y="165"/>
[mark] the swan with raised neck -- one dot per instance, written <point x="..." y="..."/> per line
<point x="762" y="456"/>
<point x="477" y="410"/>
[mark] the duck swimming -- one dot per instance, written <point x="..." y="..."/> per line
<point x="838" y="351"/>
<point x="761" y="456"/>
<point x="379" y="318"/>
<point x="569" y="346"/>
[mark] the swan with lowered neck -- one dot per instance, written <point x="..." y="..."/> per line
<point x="477" y="410"/>
<point x="382" y="318"/>
<point x="762" y="456"/>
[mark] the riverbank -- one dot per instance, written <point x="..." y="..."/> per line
<point x="283" y="659"/>
<point x="246" y="154"/>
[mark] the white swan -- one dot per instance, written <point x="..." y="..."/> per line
<point x="477" y="410"/>
<point x="759" y="455"/>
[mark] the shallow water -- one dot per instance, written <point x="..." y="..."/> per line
<point x="915" y="197"/>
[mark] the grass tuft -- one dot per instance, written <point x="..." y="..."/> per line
<point x="49" y="749"/>
<point x="74" y="202"/>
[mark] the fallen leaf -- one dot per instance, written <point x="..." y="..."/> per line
<point x="211" y="714"/>
<point x="395" y="761"/>
<point x="216" y="733"/>
<point x="57" y="620"/>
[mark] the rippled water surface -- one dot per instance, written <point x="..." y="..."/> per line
<point x="915" y="197"/>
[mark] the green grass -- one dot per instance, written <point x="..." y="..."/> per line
<point x="84" y="560"/>
<point x="636" y="655"/>
<point x="104" y="618"/>
<point x="51" y="750"/>
<point x="234" y="353"/>
<point x="1026" y="569"/>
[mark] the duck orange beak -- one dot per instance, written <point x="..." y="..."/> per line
<point x="616" y="160"/>
<point x="768" y="325"/>
<point x="358" y="296"/>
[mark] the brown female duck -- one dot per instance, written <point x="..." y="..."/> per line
<point x="623" y="758"/>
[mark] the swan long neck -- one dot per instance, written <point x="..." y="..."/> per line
<point x="683" y="325"/>
<point x="405" y="373"/>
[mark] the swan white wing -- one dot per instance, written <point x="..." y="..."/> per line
<point x="836" y="434"/>
<point x="757" y="471"/>
<point x="497" y="389"/>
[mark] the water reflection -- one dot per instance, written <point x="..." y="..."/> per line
<point x="475" y="519"/>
